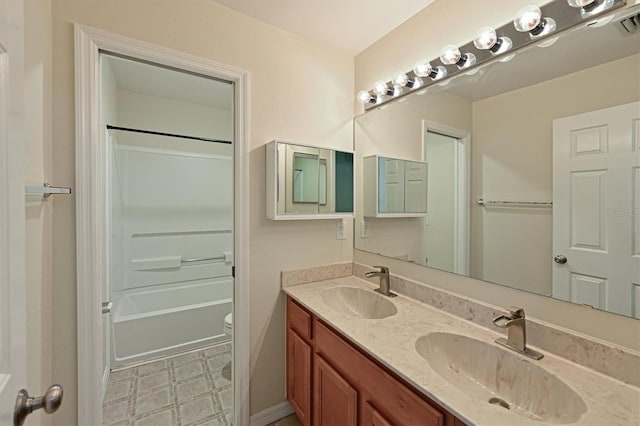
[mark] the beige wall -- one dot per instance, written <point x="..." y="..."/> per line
<point x="37" y="167"/>
<point x="301" y="91"/>
<point x="513" y="161"/>
<point x="456" y="21"/>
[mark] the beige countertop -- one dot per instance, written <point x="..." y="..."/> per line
<point x="392" y="342"/>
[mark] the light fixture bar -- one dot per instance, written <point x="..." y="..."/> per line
<point x="563" y="15"/>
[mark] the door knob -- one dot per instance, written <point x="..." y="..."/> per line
<point x="560" y="258"/>
<point x="26" y="404"/>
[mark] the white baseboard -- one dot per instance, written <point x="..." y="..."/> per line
<point x="271" y="414"/>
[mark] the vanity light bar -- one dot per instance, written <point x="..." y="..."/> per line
<point x="532" y="25"/>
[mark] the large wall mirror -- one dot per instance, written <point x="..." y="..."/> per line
<point x="533" y="169"/>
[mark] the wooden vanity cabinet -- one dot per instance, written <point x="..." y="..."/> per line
<point x="335" y="400"/>
<point x="299" y="361"/>
<point x="346" y="387"/>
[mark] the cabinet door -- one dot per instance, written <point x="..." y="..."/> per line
<point x="335" y="400"/>
<point x="391" y="186"/>
<point x="299" y="376"/>
<point x="415" y="187"/>
<point x="372" y="417"/>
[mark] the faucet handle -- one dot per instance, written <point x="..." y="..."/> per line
<point x="503" y="321"/>
<point x="516" y="312"/>
<point x="383" y="269"/>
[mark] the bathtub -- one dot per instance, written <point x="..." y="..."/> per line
<point x="159" y="322"/>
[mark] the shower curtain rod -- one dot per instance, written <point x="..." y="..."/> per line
<point x="150" y="132"/>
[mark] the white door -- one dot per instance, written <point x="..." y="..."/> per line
<point x="415" y="187"/>
<point x="596" y="209"/>
<point x="391" y="197"/>
<point x="12" y="210"/>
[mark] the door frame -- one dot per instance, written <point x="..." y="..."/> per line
<point x="462" y="228"/>
<point x="91" y="213"/>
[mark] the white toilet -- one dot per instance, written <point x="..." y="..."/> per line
<point x="228" y="325"/>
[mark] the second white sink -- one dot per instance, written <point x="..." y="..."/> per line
<point x="358" y="303"/>
<point x="501" y="377"/>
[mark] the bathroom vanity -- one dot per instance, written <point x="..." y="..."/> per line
<point x="330" y="381"/>
<point x="355" y="357"/>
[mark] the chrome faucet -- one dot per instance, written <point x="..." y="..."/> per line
<point x="516" y="332"/>
<point x="385" y="286"/>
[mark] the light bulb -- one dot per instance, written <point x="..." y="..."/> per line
<point x="591" y="7"/>
<point x="450" y="54"/>
<point x="548" y="26"/>
<point x="381" y="88"/>
<point x="486" y="38"/>
<point x="504" y="44"/>
<point x="527" y="19"/>
<point x="422" y="69"/>
<point x="400" y="79"/>
<point x="440" y="73"/>
<point x="365" y="97"/>
<point x="530" y="20"/>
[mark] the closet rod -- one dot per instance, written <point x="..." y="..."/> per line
<point x="173" y="135"/>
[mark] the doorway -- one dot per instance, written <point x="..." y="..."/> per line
<point x="168" y="295"/>
<point x="446" y="227"/>
<point x="162" y="190"/>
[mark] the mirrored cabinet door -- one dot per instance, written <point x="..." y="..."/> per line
<point x="306" y="182"/>
<point x="394" y="187"/>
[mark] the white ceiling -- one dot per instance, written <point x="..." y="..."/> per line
<point x="154" y="80"/>
<point x="350" y="25"/>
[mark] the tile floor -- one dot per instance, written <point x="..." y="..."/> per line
<point x="188" y="389"/>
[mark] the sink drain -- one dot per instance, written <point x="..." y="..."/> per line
<point x="500" y="402"/>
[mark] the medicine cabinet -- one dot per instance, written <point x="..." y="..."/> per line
<point x="306" y="182"/>
<point x="394" y="187"/>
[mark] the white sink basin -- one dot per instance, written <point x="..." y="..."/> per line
<point x="501" y="377"/>
<point x="358" y="303"/>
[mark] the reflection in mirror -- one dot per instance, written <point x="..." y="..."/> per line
<point x="533" y="170"/>
<point x="304" y="181"/>
<point x="322" y="182"/>
<point x="306" y="174"/>
<point x="390" y="185"/>
<point x="394" y="187"/>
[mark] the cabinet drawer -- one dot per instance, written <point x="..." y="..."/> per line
<point x="398" y="404"/>
<point x="298" y="319"/>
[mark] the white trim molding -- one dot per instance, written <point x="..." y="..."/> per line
<point x="271" y="414"/>
<point x="91" y="218"/>
<point x="462" y="228"/>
